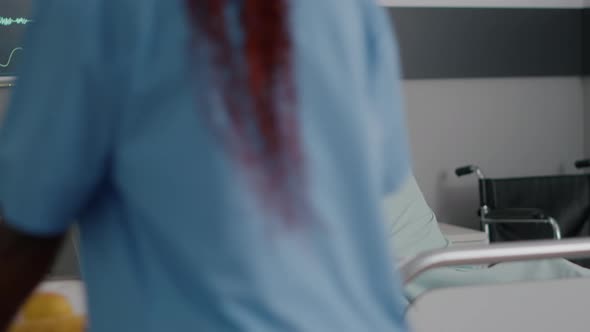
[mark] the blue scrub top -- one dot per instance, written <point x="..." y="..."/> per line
<point x="104" y="129"/>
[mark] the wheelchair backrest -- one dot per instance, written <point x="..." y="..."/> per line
<point x="565" y="198"/>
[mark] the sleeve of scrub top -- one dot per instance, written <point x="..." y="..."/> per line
<point x="390" y="103"/>
<point x="53" y="146"/>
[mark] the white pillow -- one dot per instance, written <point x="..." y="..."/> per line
<point x="410" y="221"/>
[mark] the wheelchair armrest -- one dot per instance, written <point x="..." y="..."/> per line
<point x="525" y="216"/>
<point x="516" y="214"/>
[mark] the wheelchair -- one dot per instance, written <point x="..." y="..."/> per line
<point x="534" y="207"/>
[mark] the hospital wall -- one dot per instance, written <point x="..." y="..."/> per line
<point x="493" y="83"/>
<point x="507" y="126"/>
<point x="3" y="98"/>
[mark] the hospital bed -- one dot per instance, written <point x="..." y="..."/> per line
<point x="539" y="306"/>
<point x="542" y="306"/>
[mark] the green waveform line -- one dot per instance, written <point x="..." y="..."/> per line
<point x="5" y="65"/>
<point x="6" y="21"/>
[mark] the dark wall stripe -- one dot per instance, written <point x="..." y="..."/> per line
<point x="489" y="42"/>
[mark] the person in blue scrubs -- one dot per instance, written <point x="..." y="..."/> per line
<point x="220" y="181"/>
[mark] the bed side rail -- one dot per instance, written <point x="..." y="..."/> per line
<point x="494" y="253"/>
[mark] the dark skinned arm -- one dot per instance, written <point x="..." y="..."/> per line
<point x="24" y="261"/>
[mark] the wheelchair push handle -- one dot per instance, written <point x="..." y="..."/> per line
<point x="465" y="170"/>
<point x="584" y="163"/>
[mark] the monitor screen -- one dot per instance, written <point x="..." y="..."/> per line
<point x="14" y="18"/>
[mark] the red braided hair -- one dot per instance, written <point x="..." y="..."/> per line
<point x="258" y="92"/>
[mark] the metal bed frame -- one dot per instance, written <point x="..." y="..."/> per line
<point x="546" y="306"/>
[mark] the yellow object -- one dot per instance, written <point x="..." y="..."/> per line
<point x="46" y="305"/>
<point x="68" y="324"/>
<point x="48" y="312"/>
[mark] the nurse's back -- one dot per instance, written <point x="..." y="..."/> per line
<point x="185" y="223"/>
